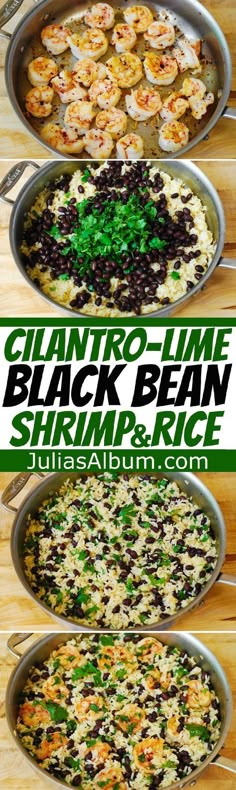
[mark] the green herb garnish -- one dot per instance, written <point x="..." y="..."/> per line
<point x="56" y="711"/>
<point x="198" y="730"/>
<point x="175" y="275"/>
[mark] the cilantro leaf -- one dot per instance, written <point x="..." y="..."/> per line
<point x="57" y="712"/>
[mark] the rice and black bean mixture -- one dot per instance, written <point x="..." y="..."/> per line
<point x="122" y="238"/>
<point x="119" y="712"/>
<point x="118" y="551"/>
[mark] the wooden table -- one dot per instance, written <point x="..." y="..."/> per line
<point x="18" y="610"/>
<point x="15" y="140"/>
<point x="17" y="774"/>
<point x="217" y="299"/>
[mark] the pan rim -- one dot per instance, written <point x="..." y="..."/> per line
<point x="219" y="110"/>
<point x="192" y="640"/>
<point x="187" y="164"/>
<point x="155" y="627"/>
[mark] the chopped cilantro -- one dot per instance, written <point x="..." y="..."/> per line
<point x="127" y="513"/>
<point x="180" y="672"/>
<point x="88" y="669"/>
<point x="54" y="232"/>
<point x="56" y="711"/>
<point x="82" y="596"/>
<point x="86" y="175"/>
<point x="121" y="673"/>
<point x="129" y="586"/>
<point x="107" y="640"/>
<point x="154" y="581"/>
<point x="115" y="231"/>
<point x="143" y="617"/>
<point x="169" y="764"/>
<point x="71" y="726"/>
<point x="75" y="764"/>
<point x="82" y="554"/>
<point x="198" y="730"/>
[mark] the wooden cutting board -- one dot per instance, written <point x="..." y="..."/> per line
<point x="217" y="299"/>
<point x="15" y="140"/>
<point x="217" y="613"/>
<point x="15" y="771"/>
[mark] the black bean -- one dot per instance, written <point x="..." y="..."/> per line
<point x="76" y="781"/>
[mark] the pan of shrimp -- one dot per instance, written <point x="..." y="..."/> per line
<point x="113" y="80"/>
<point x="119" y="712"/>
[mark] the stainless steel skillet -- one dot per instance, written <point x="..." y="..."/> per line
<point x="40" y="651"/>
<point x="189" y="15"/>
<point x="185" y="170"/>
<point x="187" y="482"/>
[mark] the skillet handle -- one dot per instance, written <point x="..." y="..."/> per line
<point x="229" y="112"/>
<point x="16" y="639"/>
<point x="227" y="578"/>
<point x="228" y="263"/>
<point x="7" y="11"/>
<point x="14" y="487"/>
<point x="225" y="762"/>
<point x="12" y="177"/>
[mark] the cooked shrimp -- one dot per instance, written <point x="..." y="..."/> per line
<point x="130" y="718"/>
<point x="57" y="740"/>
<point x="33" y="715"/>
<point x="105" y="93"/>
<point x="198" y="696"/>
<point x="193" y="87"/>
<point x="55" y="38"/>
<point x="175" y="731"/>
<point x="100" y="752"/>
<point x="87" y="71"/>
<point x="126" y="69"/>
<point x="186" y="55"/>
<point x="160" y="35"/>
<point x="130" y="147"/>
<point x="113" y="121"/>
<point x="173" y="107"/>
<point x="160" y="69"/>
<point x="68" y="655"/>
<point x="139" y="17"/>
<point x="67" y="89"/>
<point x="100" y="15"/>
<point x="151" y="681"/>
<point x="165" y="681"/>
<point x="198" y="99"/>
<point x="110" y="778"/>
<point x="123" y="38"/>
<point x="38" y="101"/>
<point x="90" y="708"/>
<point x="98" y="144"/>
<point x="64" y="140"/>
<point x="41" y="70"/>
<point x="79" y="115"/>
<point x="148" y="754"/>
<point x="143" y="103"/>
<point x="173" y="135"/>
<point x="198" y="106"/>
<point x="55" y="689"/>
<point x="116" y="654"/>
<point x="148" y="648"/>
<point x="196" y="45"/>
<point x="91" y="44"/>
